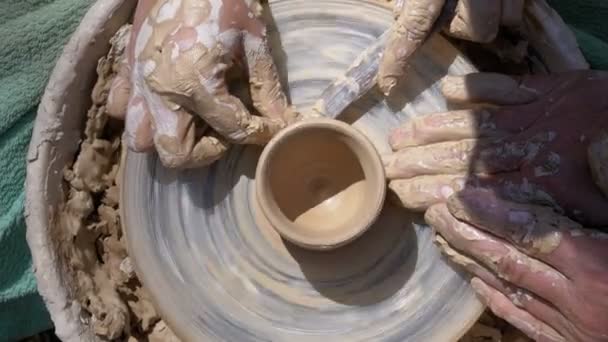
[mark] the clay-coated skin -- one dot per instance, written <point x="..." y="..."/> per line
<point x="531" y="145"/>
<point x="509" y="186"/>
<point x="535" y="268"/>
<point x="179" y="54"/>
<point x="473" y="20"/>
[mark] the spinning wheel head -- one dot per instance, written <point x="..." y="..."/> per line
<point x="321" y="183"/>
<point x="218" y="271"/>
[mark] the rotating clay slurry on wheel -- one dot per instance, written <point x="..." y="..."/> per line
<point x="218" y="271"/>
<point x="320" y="183"/>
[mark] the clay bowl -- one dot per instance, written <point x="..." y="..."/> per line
<point x="320" y="184"/>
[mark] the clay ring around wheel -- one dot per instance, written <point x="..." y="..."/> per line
<point x="216" y="275"/>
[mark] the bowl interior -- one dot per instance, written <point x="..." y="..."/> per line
<point x="323" y="183"/>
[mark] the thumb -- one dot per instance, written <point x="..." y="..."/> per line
<point x="409" y="32"/>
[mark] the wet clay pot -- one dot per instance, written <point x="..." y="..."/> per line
<point x="320" y="183"/>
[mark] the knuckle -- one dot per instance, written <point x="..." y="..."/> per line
<point x="411" y="195"/>
<point x="510" y="269"/>
<point x="418" y="22"/>
<point x="520" y="298"/>
<point x="136" y="146"/>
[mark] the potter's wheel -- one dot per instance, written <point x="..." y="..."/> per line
<point x="216" y="274"/>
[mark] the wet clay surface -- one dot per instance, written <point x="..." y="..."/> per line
<point x="321" y="183"/>
<point x="88" y="227"/>
<point x="309" y="189"/>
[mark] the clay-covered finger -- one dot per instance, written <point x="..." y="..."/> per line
<point x="456" y="157"/>
<point x="409" y="31"/>
<point x="476" y="20"/>
<point x="447" y="126"/>
<point x="225" y="113"/>
<point x="490" y="88"/>
<point x="436" y="159"/>
<point x="502" y="307"/>
<point x="209" y="98"/>
<point x="419" y="193"/>
<point x="540" y="309"/>
<point x="264" y="82"/>
<point x="139" y="131"/>
<point x="230" y="118"/>
<point x="499" y="256"/>
<point x="181" y="67"/>
<point x="174" y="138"/>
<point x="207" y="150"/>
<point x="536" y="230"/>
<point x="519" y="297"/>
<point x="473" y="267"/>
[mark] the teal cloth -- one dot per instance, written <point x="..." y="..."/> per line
<point x="588" y="21"/>
<point x="32" y="33"/>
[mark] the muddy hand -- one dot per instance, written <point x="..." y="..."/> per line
<point x="536" y="269"/>
<point x="544" y="141"/>
<point x="179" y="53"/>
<point x="473" y="20"/>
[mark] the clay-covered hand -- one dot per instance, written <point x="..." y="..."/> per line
<point x="473" y="20"/>
<point x="536" y="269"/>
<point x="175" y="75"/>
<point x="543" y="141"/>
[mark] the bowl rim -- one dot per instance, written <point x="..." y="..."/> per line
<point x="374" y="171"/>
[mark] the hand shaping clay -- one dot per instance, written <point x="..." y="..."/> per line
<point x="182" y="52"/>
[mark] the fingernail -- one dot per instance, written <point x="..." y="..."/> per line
<point x="434" y="216"/>
<point x="446" y="191"/>
<point x="387" y="159"/>
<point x="453" y="87"/>
<point x="401" y="137"/>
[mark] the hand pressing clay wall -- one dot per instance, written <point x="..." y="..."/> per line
<point x="179" y="102"/>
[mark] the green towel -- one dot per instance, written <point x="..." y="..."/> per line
<point x="588" y="20"/>
<point x="33" y="33"/>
